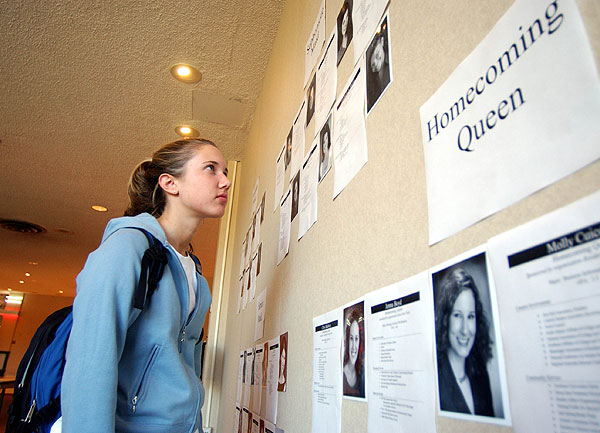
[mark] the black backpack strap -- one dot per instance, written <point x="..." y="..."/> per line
<point x="197" y="262"/>
<point x="153" y="264"/>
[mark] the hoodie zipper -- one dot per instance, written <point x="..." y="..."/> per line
<point x="134" y="400"/>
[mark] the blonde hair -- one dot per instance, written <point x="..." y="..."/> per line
<point x="144" y="191"/>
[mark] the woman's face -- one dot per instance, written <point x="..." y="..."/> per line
<point x="353" y="342"/>
<point x="282" y="361"/>
<point x="345" y="22"/>
<point x="202" y="188"/>
<point x="377" y="56"/>
<point x="462" y="324"/>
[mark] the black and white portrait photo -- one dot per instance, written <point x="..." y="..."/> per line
<point x="344" y="29"/>
<point x="288" y="148"/>
<point x="353" y="370"/>
<point x="378" y="66"/>
<point x="469" y="376"/>
<point x="310" y="99"/>
<point x="295" y="194"/>
<point x="325" y="150"/>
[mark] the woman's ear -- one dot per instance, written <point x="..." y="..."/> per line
<point x="168" y="183"/>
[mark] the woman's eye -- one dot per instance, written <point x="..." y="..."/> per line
<point x="472" y="316"/>
<point x="210" y="167"/>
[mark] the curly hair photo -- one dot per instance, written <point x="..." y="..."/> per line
<point x="467" y="359"/>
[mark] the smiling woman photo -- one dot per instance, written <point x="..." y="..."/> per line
<point x="354" y="331"/>
<point x="464" y="346"/>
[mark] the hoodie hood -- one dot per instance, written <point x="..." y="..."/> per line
<point x="144" y="221"/>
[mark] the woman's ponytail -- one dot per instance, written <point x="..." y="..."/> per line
<point x="145" y="194"/>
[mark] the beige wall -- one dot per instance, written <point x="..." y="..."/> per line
<point x="34" y="309"/>
<point x="375" y="232"/>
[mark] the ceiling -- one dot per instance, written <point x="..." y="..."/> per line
<point x="86" y="94"/>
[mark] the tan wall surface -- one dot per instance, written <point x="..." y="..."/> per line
<point x="375" y="232"/>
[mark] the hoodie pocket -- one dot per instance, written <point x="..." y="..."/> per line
<point x="139" y="388"/>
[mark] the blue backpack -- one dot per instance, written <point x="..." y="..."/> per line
<point x="36" y="399"/>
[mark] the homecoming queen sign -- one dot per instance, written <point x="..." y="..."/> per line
<point x="519" y="113"/>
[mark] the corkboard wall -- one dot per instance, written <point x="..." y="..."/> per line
<point x="375" y="232"/>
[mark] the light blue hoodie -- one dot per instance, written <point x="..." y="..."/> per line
<point x="126" y="371"/>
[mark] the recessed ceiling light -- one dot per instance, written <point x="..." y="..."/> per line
<point x="27" y="274"/>
<point x="61" y="291"/>
<point x="186" y="73"/>
<point x="21" y="282"/>
<point x="99" y="208"/>
<point x="187" y="131"/>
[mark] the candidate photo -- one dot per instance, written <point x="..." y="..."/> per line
<point x="288" y="148"/>
<point x="344" y="29"/>
<point x="467" y="360"/>
<point x="353" y="372"/>
<point x="325" y="151"/>
<point x="310" y="99"/>
<point x="378" y="65"/>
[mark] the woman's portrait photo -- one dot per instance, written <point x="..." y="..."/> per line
<point x="288" y="148"/>
<point x="378" y="65"/>
<point x="310" y="99"/>
<point x="353" y="371"/>
<point x="325" y="154"/>
<point x="344" y="29"/>
<point x="283" y="348"/>
<point x="295" y="194"/>
<point x="467" y="356"/>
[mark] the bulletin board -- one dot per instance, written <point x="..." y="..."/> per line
<point x="375" y="232"/>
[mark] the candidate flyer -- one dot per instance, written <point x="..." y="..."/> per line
<point x="547" y="274"/>
<point x="401" y="376"/>
<point x="327" y="381"/>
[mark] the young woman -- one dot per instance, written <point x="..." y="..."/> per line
<point x="354" y="377"/>
<point x="128" y="371"/>
<point x="463" y="346"/>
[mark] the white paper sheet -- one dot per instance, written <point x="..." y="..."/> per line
<point x="548" y="273"/>
<point x="257" y="376"/>
<point x="366" y="17"/>
<point x="238" y="398"/>
<point x="255" y="423"/>
<point x="327" y="381"/>
<point x="509" y="120"/>
<point x="269" y="427"/>
<point x="279" y="178"/>
<point x="255" y="195"/>
<point x="246" y="288"/>
<point x="401" y="374"/>
<point x="468" y="335"/>
<point x="272" y="371"/>
<point x="309" y="179"/>
<point x="261" y="306"/>
<point x="350" y="140"/>
<point x="240" y="294"/>
<point x="284" y="227"/>
<point x="298" y="143"/>
<point x="326" y="82"/>
<point x="315" y="42"/>
<point x="256" y="228"/>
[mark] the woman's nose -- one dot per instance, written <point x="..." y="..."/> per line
<point x="225" y="182"/>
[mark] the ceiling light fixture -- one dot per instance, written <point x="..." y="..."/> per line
<point x="99" y="208"/>
<point x="187" y="131"/>
<point x="186" y="73"/>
